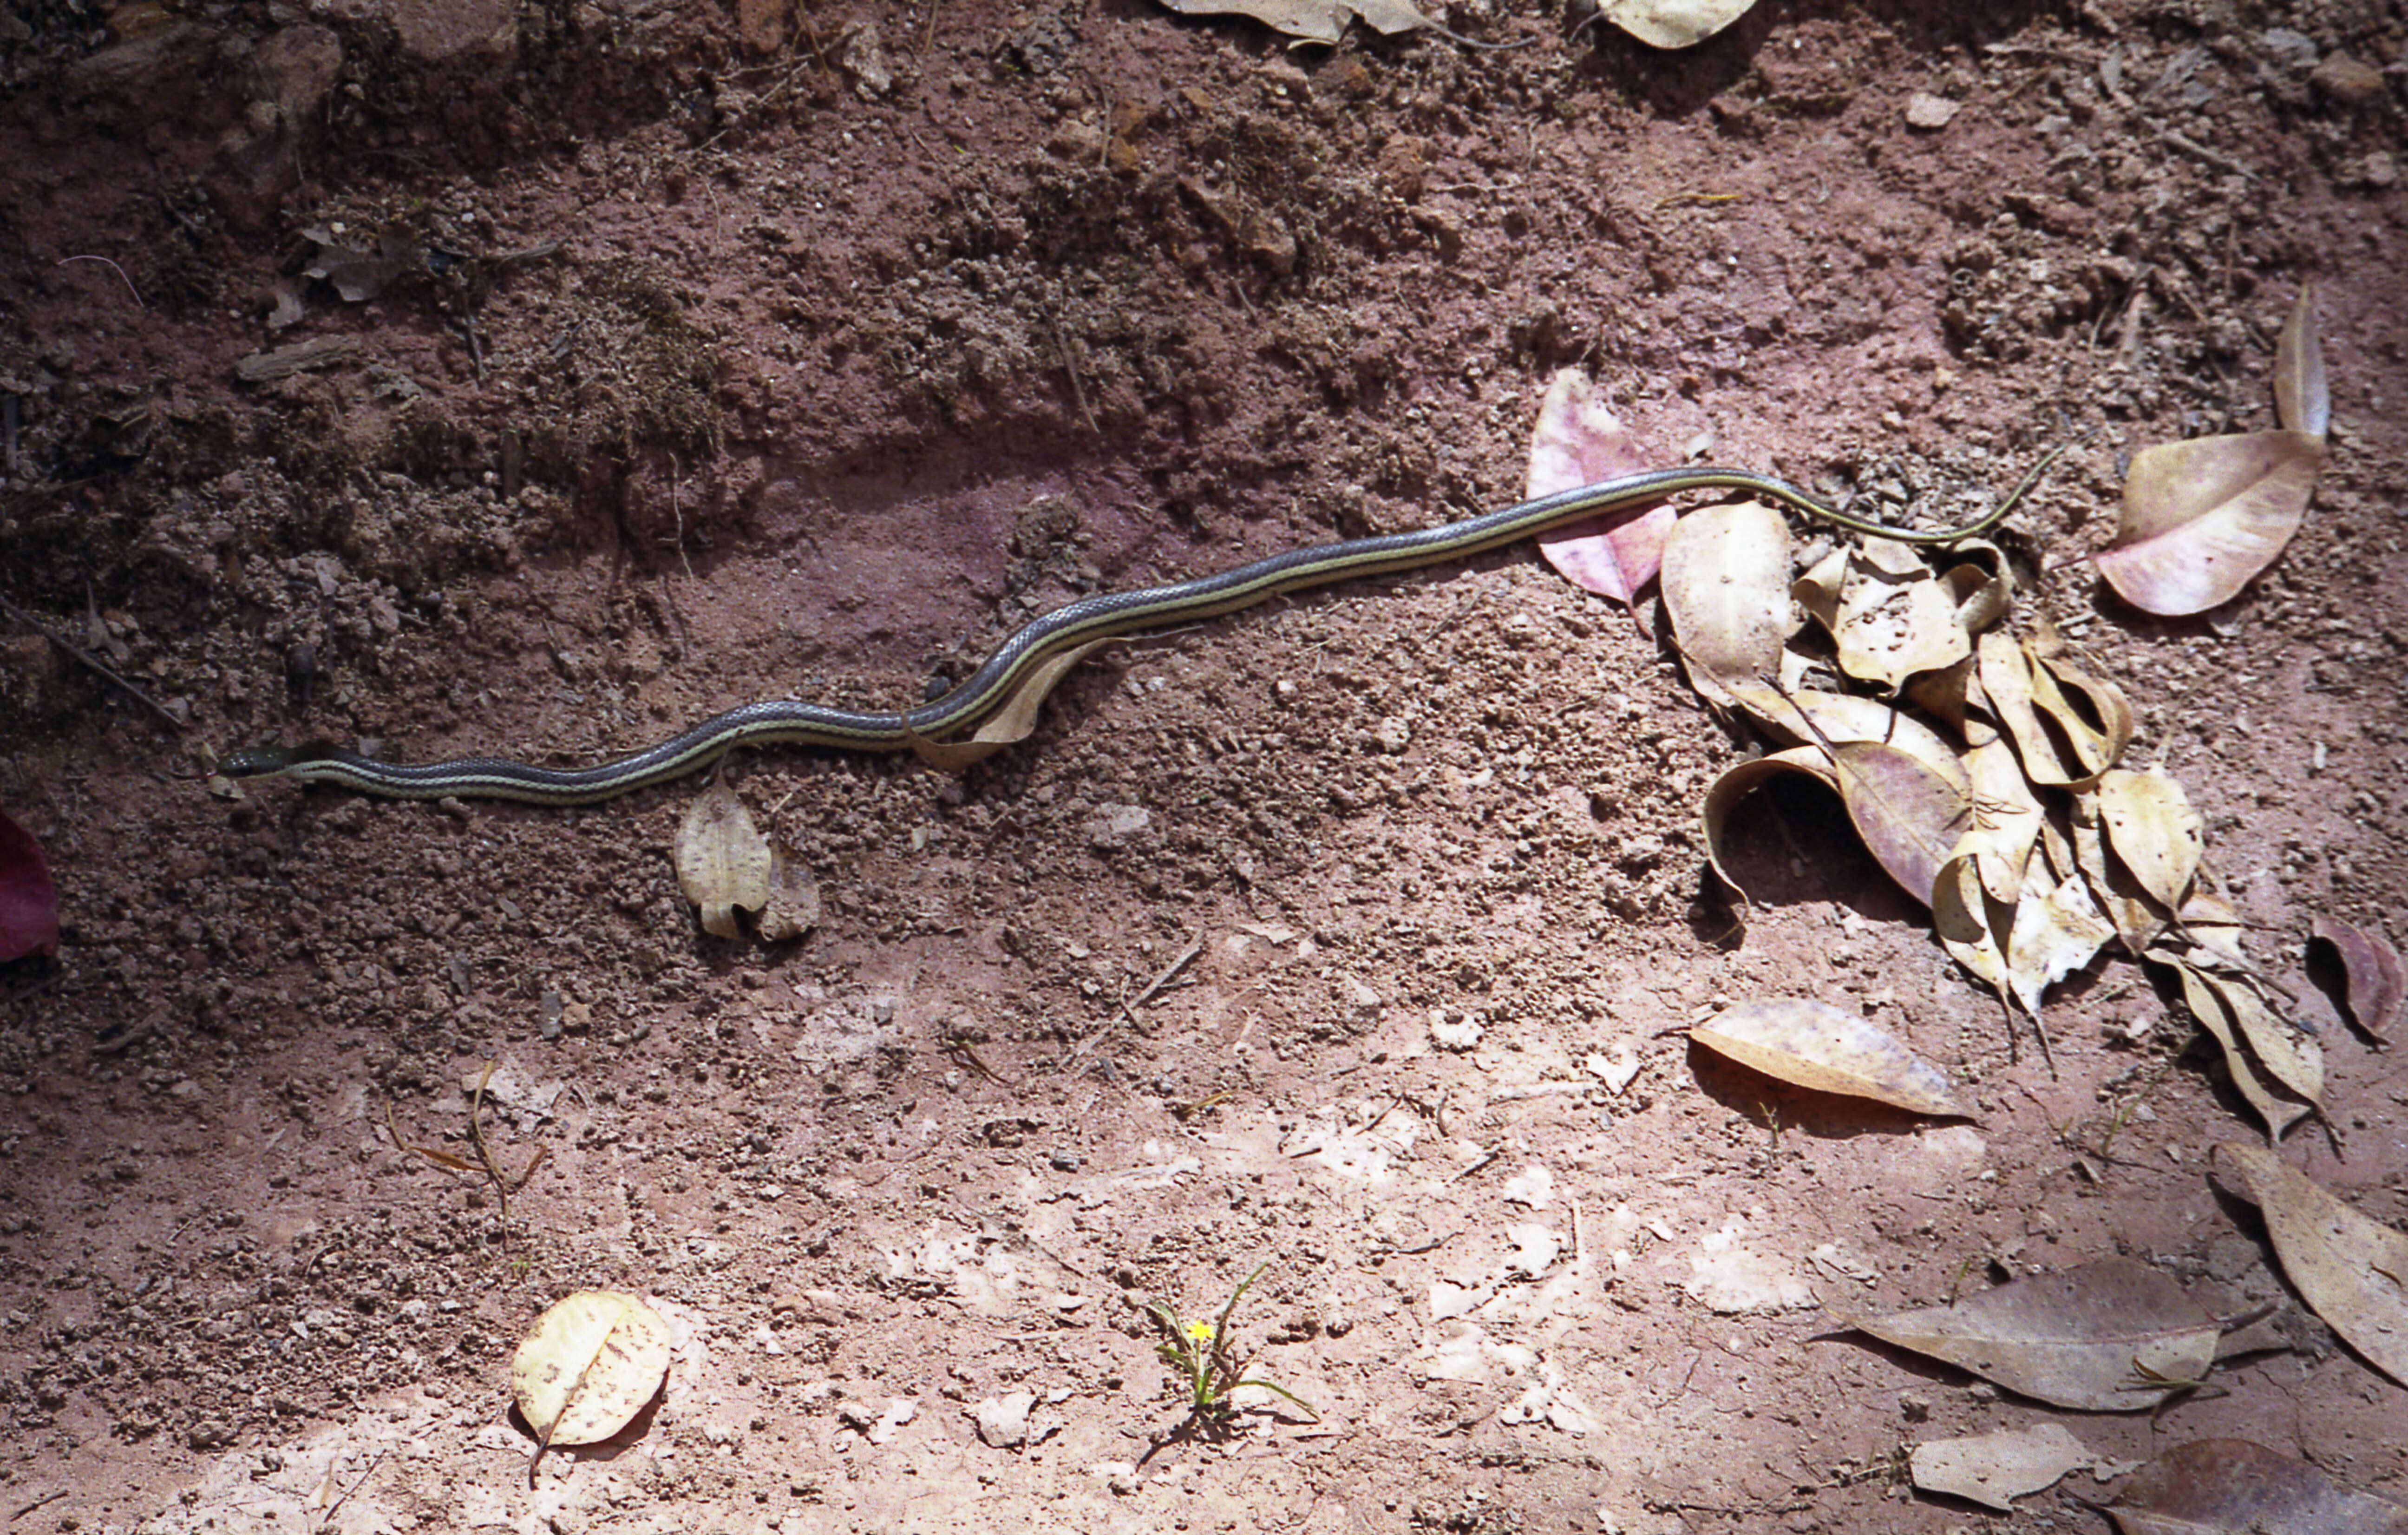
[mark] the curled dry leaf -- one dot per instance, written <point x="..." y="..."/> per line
<point x="1743" y="779"/>
<point x="1996" y="1469"/>
<point x="723" y="860"/>
<point x="1674" y="23"/>
<point x="2211" y="1000"/>
<point x="2352" y="1269"/>
<point x="2231" y="1486"/>
<point x="2108" y="1336"/>
<point x="1013" y="722"/>
<point x="2058" y="930"/>
<point x="2151" y="827"/>
<point x="1578" y="441"/>
<point x="1726" y="581"/>
<point x="587" y="1367"/>
<point x="2007" y="818"/>
<point x="2302" y="401"/>
<point x="2138" y="917"/>
<point x="1910" y="816"/>
<point x="2373" y="979"/>
<point x="1846" y="717"/>
<point x="2203" y="516"/>
<point x="1815" y="1045"/>
<point x="29" y="897"/>
<point x="1312" y="21"/>
<point x="2067" y="726"/>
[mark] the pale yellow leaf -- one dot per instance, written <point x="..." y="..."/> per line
<point x="2353" y="1270"/>
<point x="1996" y="1468"/>
<point x="723" y="860"/>
<point x="2303" y="400"/>
<point x="1895" y="619"/>
<point x="587" y="1367"/>
<point x="1815" y="1045"/>
<point x="1674" y="23"/>
<point x="2057" y="932"/>
<point x="1312" y="21"/>
<point x="2007" y="818"/>
<point x="2152" y="827"/>
<point x="1725" y="584"/>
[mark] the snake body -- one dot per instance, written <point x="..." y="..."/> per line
<point x="1107" y="616"/>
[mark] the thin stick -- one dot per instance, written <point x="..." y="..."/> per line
<point x="64" y="643"/>
<point x="114" y="267"/>
<point x="328" y="1522"/>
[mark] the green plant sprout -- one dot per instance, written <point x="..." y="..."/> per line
<point x="1204" y="1355"/>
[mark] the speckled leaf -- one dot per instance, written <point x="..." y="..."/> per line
<point x="1910" y="816"/>
<point x="2100" y="1339"/>
<point x="1895" y="619"/>
<point x="2203" y="516"/>
<point x="1674" y="23"/>
<point x="2067" y="726"/>
<point x="2092" y="714"/>
<point x="2371" y="974"/>
<point x="1578" y="440"/>
<point x="1996" y="1469"/>
<point x="1725" y="582"/>
<point x="587" y="1367"/>
<point x="2231" y="1486"/>
<point x="1744" y="778"/>
<point x="723" y="860"/>
<point x="1816" y="1045"/>
<point x="2303" y="400"/>
<point x="2352" y="1269"/>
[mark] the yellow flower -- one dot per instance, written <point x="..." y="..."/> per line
<point x="1200" y="1333"/>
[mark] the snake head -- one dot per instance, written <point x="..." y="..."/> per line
<point x="267" y="761"/>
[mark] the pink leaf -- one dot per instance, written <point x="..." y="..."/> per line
<point x="2203" y="516"/>
<point x="29" y="901"/>
<point x="1578" y="441"/>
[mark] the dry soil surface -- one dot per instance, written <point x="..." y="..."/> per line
<point x="659" y="358"/>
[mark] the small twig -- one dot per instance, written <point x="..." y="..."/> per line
<point x="114" y="267"/>
<point x="46" y="1498"/>
<point x="1129" y="1006"/>
<point x="337" y="1507"/>
<point x="55" y="637"/>
<point x="2213" y="157"/>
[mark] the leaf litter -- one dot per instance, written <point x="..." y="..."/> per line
<point x="586" y="1367"/>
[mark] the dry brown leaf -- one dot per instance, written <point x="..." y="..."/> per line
<point x="1996" y="1469"/>
<point x="1312" y="21"/>
<point x="1846" y="717"/>
<point x="1983" y="590"/>
<point x="2206" y="999"/>
<point x="2353" y="1270"/>
<point x="2216" y="927"/>
<point x="1674" y="23"/>
<point x="1893" y="619"/>
<point x="2092" y="714"/>
<point x="2289" y="1055"/>
<point x="2231" y="1486"/>
<point x="1578" y="440"/>
<point x="2203" y="516"/>
<point x="2058" y="930"/>
<point x="794" y="907"/>
<point x="1737" y="782"/>
<point x="1910" y="817"/>
<point x="2152" y="827"/>
<point x="587" y="1367"/>
<point x="2373" y="979"/>
<point x="1725" y="582"/>
<point x="2303" y="400"/>
<point x="2007" y="818"/>
<point x="2137" y="916"/>
<point x="723" y="860"/>
<point x="2067" y="726"/>
<point x="1967" y="918"/>
<point x="1013" y="721"/>
<point x="2104" y="1338"/>
<point x="1815" y="1045"/>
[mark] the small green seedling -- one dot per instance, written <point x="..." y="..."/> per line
<point x="1204" y="1354"/>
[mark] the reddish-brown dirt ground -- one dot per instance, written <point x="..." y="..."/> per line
<point x="719" y="352"/>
